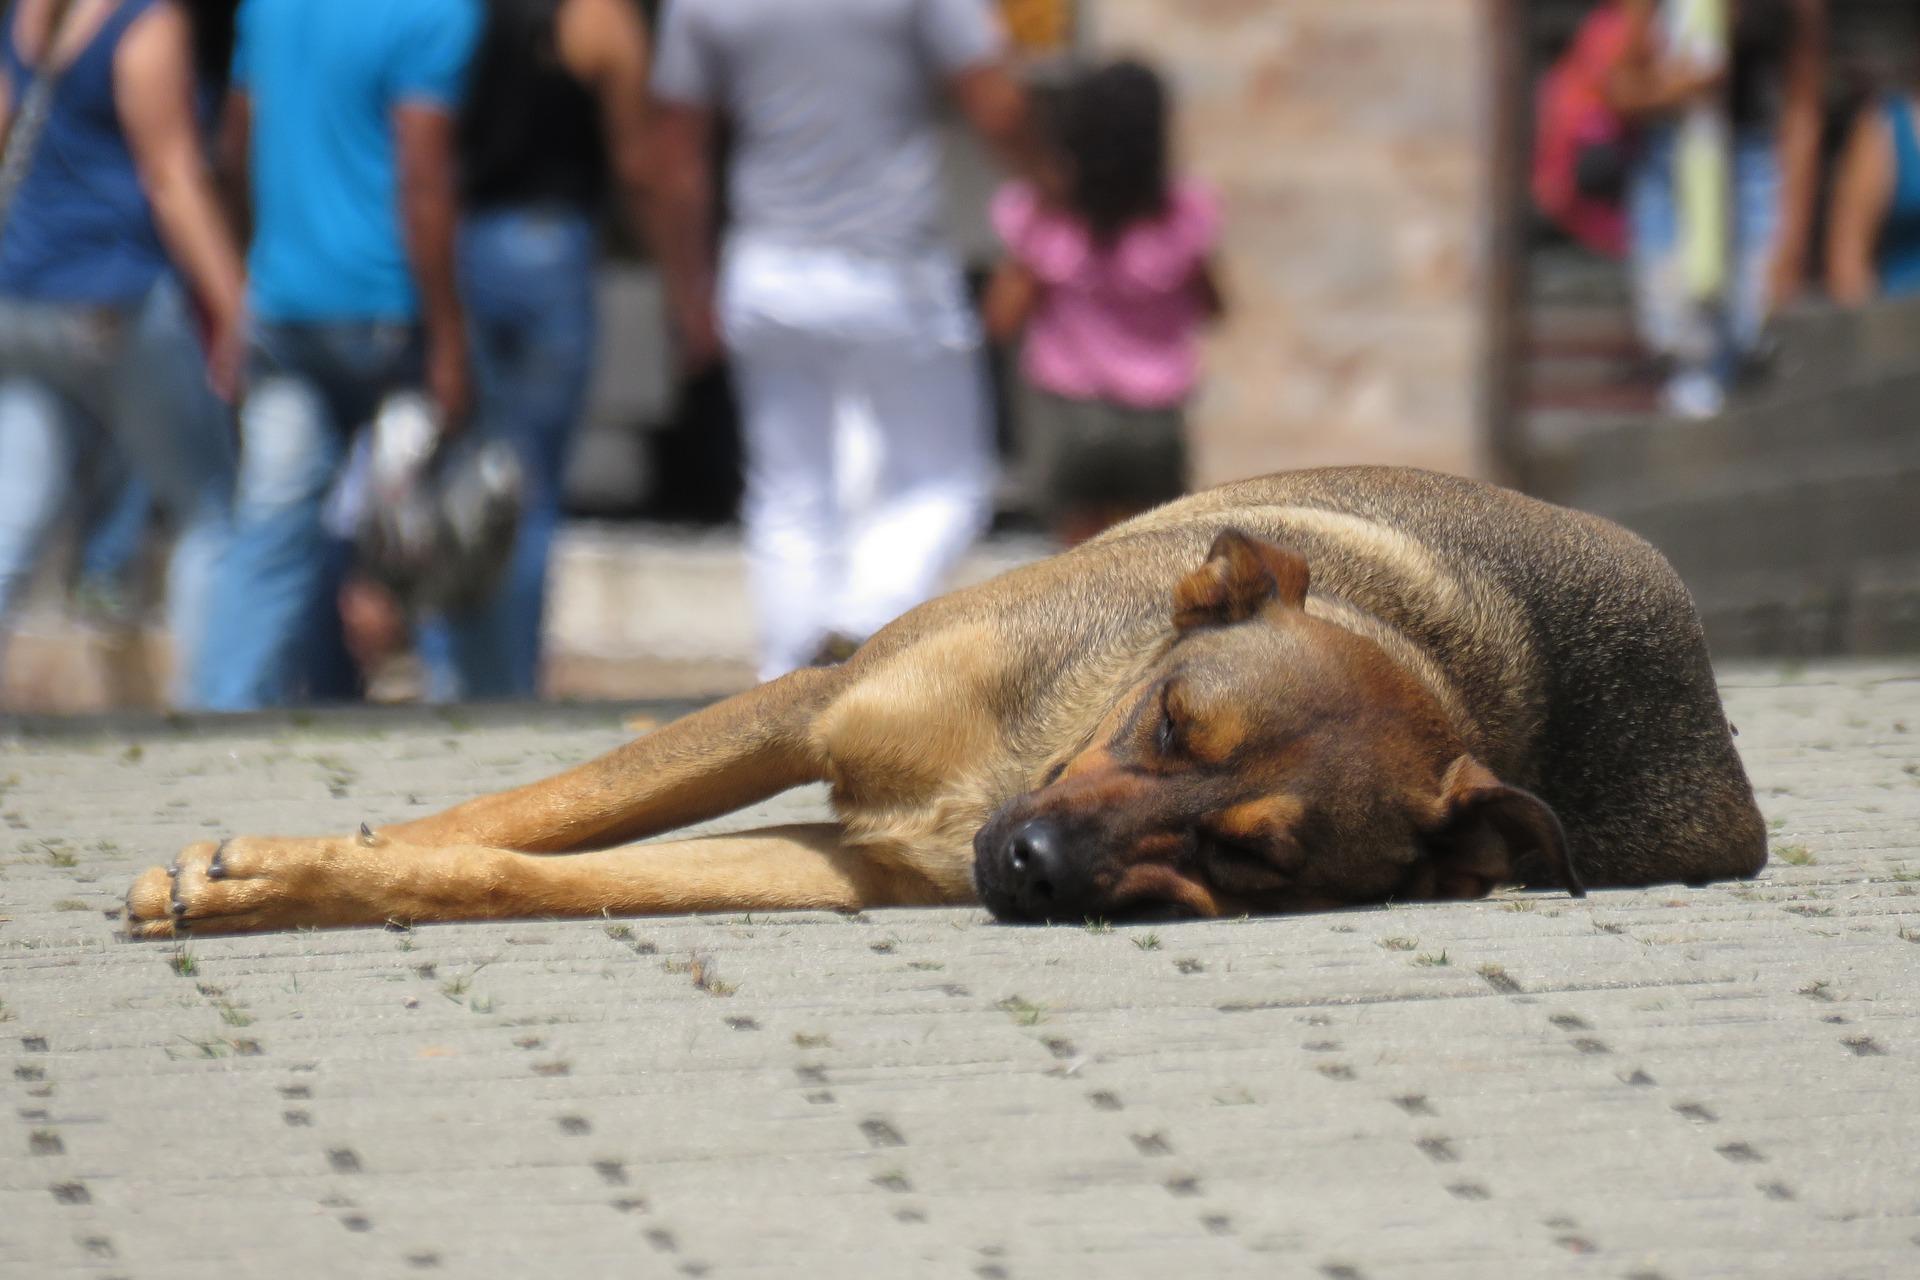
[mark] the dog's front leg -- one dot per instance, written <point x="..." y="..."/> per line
<point x="255" y="883"/>
<point x="736" y="752"/>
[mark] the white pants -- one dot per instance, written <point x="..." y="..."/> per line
<point x="823" y="341"/>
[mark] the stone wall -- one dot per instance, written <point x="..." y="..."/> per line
<point x="1346" y="138"/>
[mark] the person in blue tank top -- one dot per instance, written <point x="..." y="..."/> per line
<point x="112" y="193"/>
<point x="343" y="113"/>
<point x="1873" y="229"/>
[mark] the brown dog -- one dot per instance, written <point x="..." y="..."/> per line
<point x="1304" y="691"/>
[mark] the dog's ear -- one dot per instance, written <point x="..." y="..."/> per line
<point x="1242" y="574"/>
<point x="1486" y="828"/>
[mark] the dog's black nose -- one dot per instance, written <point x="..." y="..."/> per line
<point x="1036" y="871"/>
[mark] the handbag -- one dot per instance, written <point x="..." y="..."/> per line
<point x="1600" y="169"/>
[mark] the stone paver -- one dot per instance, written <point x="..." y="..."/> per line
<point x="1677" y="1083"/>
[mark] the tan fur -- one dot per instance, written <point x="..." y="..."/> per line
<point x="1266" y="817"/>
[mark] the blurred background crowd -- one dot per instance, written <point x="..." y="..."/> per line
<point x="878" y="276"/>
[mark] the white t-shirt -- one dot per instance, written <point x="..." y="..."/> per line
<point x="833" y="108"/>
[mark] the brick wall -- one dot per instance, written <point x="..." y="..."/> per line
<point x="1345" y="137"/>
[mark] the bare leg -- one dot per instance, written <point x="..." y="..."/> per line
<point x="256" y="883"/>
<point x="738" y="751"/>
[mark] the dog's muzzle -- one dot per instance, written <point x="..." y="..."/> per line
<point x="1023" y="871"/>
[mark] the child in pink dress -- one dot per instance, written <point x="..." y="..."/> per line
<point x="1112" y="284"/>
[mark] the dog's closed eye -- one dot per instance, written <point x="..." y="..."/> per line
<point x="1169" y="728"/>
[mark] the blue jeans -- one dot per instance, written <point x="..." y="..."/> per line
<point x="1713" y="341"/>
<point x="309" y="387"/>
<point x="146" y="392"/>
<point x="527" y="278"/>
<point x="119" y="516"/>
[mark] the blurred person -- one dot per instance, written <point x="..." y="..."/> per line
<point x="342" y="119"/>
<point x="106" y="182"/>
<point x="1768" y="85"/>
<point x="1111" y="287"/>
<point x="836" y="290"/>
<point x="556" y="117"/>
<point x="1873" y="224"/>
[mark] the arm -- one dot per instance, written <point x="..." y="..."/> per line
<point x="1643" y="84"/>
<point x="423" y="136"/>
<point x="994" y="105"/>
<point x="682" y="225"/>
<point x="687" y="91"/>
<point x="604" y="44"/>
<point x="232" y="156"/>
<point x="1800" y="149"/>
<point x="1862" y="193"/>
<point x="1010" y="298"/>
<point x="153" y="89"/>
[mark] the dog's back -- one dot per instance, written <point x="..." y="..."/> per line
<point x="1572" y="641"/>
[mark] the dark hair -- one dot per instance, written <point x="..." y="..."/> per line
<point x="212" y="23"/>
<point x="1112" y="126"/>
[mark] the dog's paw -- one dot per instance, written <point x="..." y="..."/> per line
<point x="150" y="904"/>
<point x="242" y="885"/>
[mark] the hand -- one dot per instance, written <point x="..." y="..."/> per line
<point x="699" y="337"/>
<point x="449" y="378"/>
<point x="227" y="358"/>
<point x="1688" y="82"/>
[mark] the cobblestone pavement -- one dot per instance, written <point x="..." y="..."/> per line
<point x="1676" y="1083"/>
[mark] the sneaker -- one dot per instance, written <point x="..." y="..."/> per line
<point x="835" y="648"/>
<point x="1693" y="395"/>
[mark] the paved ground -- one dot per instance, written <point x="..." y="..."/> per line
<point x="1676" y="1083"/>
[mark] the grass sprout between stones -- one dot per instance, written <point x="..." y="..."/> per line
<point x="1022" y="1010"/>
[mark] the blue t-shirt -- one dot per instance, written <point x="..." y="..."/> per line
<point x="323" y="79"/>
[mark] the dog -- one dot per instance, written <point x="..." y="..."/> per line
<point x="1313" y="690"/>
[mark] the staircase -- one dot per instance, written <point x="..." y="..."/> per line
<point x="1795" y="516"/>
<point x="1582" y="355"/>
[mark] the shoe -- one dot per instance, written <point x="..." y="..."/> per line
<point x="1693" y="395"/>
<point x="835" y="648"/>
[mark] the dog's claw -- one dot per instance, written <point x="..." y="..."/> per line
<point x="366" y="835"/>
<point x="217" y="868"/>
<point x="173" y="871"/>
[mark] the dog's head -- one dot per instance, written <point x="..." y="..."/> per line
<point x="1269" y="762"/>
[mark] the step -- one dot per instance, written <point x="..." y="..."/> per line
<point x="636" y="611"/>
<point x="1603" y="460"/>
